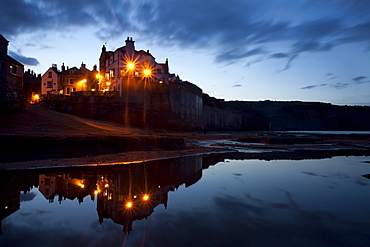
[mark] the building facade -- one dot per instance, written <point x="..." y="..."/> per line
<point x="151" y="96"/>
<point x="11" y="80"/>
<point x="68" y="80"/>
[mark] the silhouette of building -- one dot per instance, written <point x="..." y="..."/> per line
<point x="32" y="86"/>
<point x="11" y="80"/>
<point x="68" y="80"/>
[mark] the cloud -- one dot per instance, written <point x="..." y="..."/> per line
<point x="233" y="30"/>
<point x="235" y="54"/>
<point x="237" y="85"/>
<point x="314" y="86"/>
<point x="360" y="80"/>
<point x="339" y="85"/>
<point x="24" y="60"/>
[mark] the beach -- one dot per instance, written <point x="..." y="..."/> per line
<point x="44" y="138"/>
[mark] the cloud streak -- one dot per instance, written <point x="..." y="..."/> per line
<point x="23" y="59"/>
<point x="340" y="85"/>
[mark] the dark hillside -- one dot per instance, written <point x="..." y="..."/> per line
<point x="296" y="115"/>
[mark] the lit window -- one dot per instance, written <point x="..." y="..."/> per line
<point x="111" y="73"/>
<point x="13" y="69"/>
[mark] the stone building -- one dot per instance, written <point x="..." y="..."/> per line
<point x="150" y="96"/>
<point x="11" y="80"/>
<point x="68" y="80"/>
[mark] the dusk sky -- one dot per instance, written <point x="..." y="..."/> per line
<point x="308" y="50"/>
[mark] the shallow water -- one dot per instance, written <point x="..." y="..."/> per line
<point x="194" y="201"/>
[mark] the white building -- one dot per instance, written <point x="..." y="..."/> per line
<point x="67" y="81"/>
<point x="126" y="62"/>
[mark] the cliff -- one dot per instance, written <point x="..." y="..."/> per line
<point x="296" y="115"/>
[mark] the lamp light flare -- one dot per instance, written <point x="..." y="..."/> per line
<point x="147" y="72"/>
<point x="145" y="197"/>
<point x="129" y="205"/>
<point x="130" y="66"/>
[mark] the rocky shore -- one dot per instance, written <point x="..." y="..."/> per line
<point x="43" y="138"/>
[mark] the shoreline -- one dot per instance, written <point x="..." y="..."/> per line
<point x="44" y="138"/>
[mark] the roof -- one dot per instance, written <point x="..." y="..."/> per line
<point x="2" y="38"/>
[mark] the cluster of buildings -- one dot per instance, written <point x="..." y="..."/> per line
<point x="130" y="87"/>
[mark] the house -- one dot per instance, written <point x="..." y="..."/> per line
<point x="11" y="80"/>
<point x="68" y="80"/>
<point x="125" y="62"/>
<point x="151" y="95"/>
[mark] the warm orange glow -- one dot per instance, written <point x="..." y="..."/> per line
<point x="96" y="192"/>
<point x="108" y="83"/>
<point x="98" y="76"/>
<point x="106" y="185"/>
<point x="36" y="97"/>
<point x="128" y="204"/>
<point x="83" y="80"/>
<point x="147" y="72"/>
<point x="145" y="197"/>
<point x="130" y="66"/>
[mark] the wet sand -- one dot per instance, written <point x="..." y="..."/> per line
<point x="43" y="138"/>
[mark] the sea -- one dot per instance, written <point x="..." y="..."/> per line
<point x="202" y="200"/>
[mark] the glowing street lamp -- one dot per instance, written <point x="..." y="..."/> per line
<point x="36" y="98"/>
<point x="130" y="66"/>
<point x="83" y="84"/>
<point x="147" y="72"/>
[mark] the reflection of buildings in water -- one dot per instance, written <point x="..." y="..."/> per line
<point x="10" y="187"/>
<point x="134" y="192"/>
<point x="144" y="185"/>
<point x="67" y="186"/>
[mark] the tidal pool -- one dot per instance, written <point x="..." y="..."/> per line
<point x="191" y="201"/>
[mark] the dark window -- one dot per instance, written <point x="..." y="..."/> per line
<point x="49" y="74"/>
<point x="49" y="84"/>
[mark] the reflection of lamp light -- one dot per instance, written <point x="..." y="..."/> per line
<point x="128" y="204"/>
<point x="145" y="197"/>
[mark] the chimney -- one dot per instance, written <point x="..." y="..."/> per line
<point x="63" y="68"/>
<point x="83" y="66"/>
<point x="130" y="46"/>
